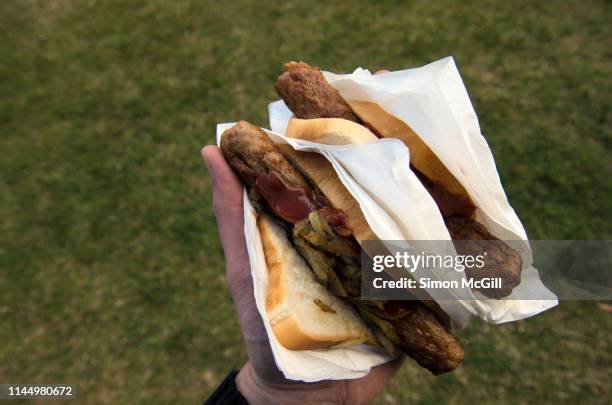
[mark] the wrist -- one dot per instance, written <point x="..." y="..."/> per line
<point x="253" y="388"/>
<point x="250" y="386"/>
<point x="258" y="391"/>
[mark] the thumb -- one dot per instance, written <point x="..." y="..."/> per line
<point x="227" y="203"/>
<point x="228" y="208"/>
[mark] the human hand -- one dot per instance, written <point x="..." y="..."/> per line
<point x="260" y="381"/>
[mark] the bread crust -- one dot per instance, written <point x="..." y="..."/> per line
<point x="276" y="290"/>
<point x="290" y="334"/>
<point x="329" y="131"/>
<point x="421" y="156"/>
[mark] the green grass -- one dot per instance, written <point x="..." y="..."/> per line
<point x="111" y="273"/>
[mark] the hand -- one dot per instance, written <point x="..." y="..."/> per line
<point x="260" y="381"/>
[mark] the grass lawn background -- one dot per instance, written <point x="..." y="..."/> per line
<point x="111" y="273"/>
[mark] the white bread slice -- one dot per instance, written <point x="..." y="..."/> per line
<point x="329" y="131"/>
<point x="297" y="321"/>
<point x="421" y="156"/>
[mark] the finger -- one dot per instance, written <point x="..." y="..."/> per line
<point x="228" y="207"/>
<point x="380" y="72"/>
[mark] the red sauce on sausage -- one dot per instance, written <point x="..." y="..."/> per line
<point x="292" y="204"/>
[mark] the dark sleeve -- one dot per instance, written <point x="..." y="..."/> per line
<point x="227" y="393"/>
